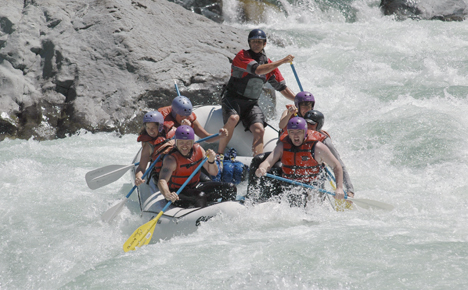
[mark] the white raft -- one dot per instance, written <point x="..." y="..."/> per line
<point x="180" y="221"/>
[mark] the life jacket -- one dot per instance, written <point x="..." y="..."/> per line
<point x="155" y="144"/>
<point x="315" y="135"/>
<point x="298" y="161"/>
<point x="185" y="167"/>
<point x="170" y="122"/>
<point x="248" y="85"/>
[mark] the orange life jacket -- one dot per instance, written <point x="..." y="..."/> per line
<point x="185" y="167"/>
<point x="316" y="135"/>
<point x="155" y="144"/>
<point x="298" y="161"/>
<point x="170" y="122"/>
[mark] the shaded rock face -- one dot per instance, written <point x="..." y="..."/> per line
<point x="445" y="10"/>
<point x="100" y="65"/>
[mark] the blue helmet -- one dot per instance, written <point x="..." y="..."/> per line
<point x="182" y="106"/>
<point x="154" y="117"/>
<point x="184" y="132"/>
<point x="298" y="123"/>
<point x="257" y="34"/>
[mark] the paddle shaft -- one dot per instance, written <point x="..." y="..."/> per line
<point x="330" y="175"/>
<point x="299" y="183"/>
<point x="366" y="203"/>
<point x="177" y="88"/>
<point x="297" y="78"/>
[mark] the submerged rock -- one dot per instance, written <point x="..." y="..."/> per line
<point x="446" y="10"/>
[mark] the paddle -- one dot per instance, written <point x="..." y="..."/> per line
<point x="177" y="88"/>
<point x="297" y="78"/>
<point x="364" y="203"/>
<point x="142" y="236"/>
<point x="111" y="213"/>
<point x="105" y="175"/>
<point x="341" y="204"/>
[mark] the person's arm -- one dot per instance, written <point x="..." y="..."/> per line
<point x="323" y="155"/>
<point x="202" y="133"/>
<point x="211" y="165"/>
<point x="270" y="160"/>
<point x="290" y="111"/>
<point x="288" y="94"/>
<point x="269" y="67"/>
<point x="169" y="166"/>
<point x="144" y="159"/>
<point x="346" y="179"/>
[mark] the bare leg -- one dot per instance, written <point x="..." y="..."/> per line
<point x="230" y="126"/>
<point x="258" y="131"/>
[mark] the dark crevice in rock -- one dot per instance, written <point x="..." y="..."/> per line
<point x="29" y="118"/>
<point x="7" y="129"/>
<point x="6" y="26"/>
<point x="47" y="53"/>
<point x="139" y="5"/>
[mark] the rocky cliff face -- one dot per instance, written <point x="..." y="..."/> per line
<point x="99" y="65"/>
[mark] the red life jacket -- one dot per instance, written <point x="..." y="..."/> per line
<point x="155" y="144"/>
<point x="298" y="161"/>
<point x="170" y="122"/>
<point x="317" y="136"/>
<point x="185" y="167"/>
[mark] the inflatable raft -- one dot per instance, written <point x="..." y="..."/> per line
<point x="180" y="221"/>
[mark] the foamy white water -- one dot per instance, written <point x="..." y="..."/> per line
<point x="394" y="95"/>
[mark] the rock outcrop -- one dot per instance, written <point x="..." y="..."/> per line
<point x="99" y="65"/>
<point x="446" y="10"/>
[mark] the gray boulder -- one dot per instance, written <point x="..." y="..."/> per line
<point x="99" y="65"/>
<point x="445" y="10"/>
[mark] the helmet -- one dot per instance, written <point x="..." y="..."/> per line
<point x="304" y="97"/>
<point x="154" y="117"/>
<point x="184" y="132"/>
<point x="298" y="123"/>
<point x="257" y="34"/>
<point x="182" y="106"/>
<point x="315" y="117"/>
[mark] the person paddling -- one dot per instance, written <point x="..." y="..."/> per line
<point x="250" y="70"/>
<point x="303" y="102"/>
<point x="302" y="157"/>
<point x="179" y="164"/>
<point x="180" y="113"/>
<point x="154" y="142"/>
<point x="315" y="120"/>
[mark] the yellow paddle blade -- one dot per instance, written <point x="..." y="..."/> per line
<point x="142" y="235"/>
<point x="342" y="205"/>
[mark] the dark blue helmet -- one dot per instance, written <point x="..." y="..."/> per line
<point x="315" y="117"/>
<point x="257" y="34"/>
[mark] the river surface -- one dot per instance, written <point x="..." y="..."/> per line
<point x="394" y="95"/>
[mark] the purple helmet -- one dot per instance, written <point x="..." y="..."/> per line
<point x="304" y="97"/>
<point x="182" y="106"/>
<point x="184" y="132"/>
<point x="298" y="123"/>
<point x="154" y="117"/>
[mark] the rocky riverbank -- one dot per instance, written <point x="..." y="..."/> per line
<point x="98" y="65"/>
